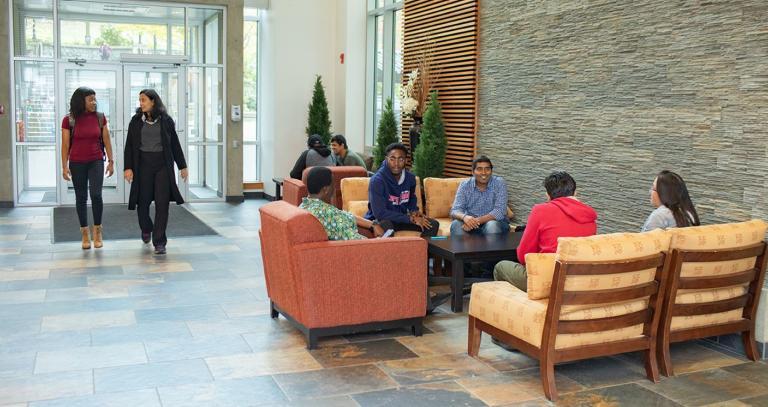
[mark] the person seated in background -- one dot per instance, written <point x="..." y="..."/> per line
<point x="480" y="206"/>
<point x="392" y="195"/>
<point x="561" y="216"/>
<point x="316" y="154"/>
<point x="673" y="204"/>
<point x="341" y="153"/>
<point x="338" y="224"/>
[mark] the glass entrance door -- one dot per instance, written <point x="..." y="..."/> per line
<point x="165" y="81"/>
<point x="105" y="80"/>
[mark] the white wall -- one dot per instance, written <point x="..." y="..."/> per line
<point x="355" y="43"/>
<point x="299" y="41"/>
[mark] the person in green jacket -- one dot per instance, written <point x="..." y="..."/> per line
<point x="341" y="152"/>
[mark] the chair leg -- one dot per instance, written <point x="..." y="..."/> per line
<point x="651" y="365"/>
<point x="311" y="339"/>
<point x="273" y="313"/>
<point x="548" y="379"/>
<point x="417" y="329"/>
<point x="473" y="337"/>
<point x="662" y="350"/>
<point x="750" y="347"/>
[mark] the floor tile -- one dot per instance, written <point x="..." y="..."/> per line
<point x="186" y="313"/>
<point x="347" y="354"/>
<point x="151" y="331"/>
<point x="514" y="387"/>
<point x="90" y="357"/>
<point x="22" y="296"/>
<point x="384" y="334"/>
<point x="434" y="368"/>
<point x="17" y="364"/>
<point x="143" y="398"/>
<point x="706" y="387"/>
<point x="436" y="394"/>
<point x="45" y="386"/>
<point x="601" y="372"/>
<point x="629" y="395"/>
<point x="134" y="377"/>
<point x="261" y="363"/>
<point x="755" y="372"/>
<point x="87" y="320"/>
<point x="331" y="382"/>
<point x="693" y="357"/>
<point x="504" y="360"/>
<point x="44" y="341"/>
<point x="193" y="348"/>
<point x="224" y="393"/>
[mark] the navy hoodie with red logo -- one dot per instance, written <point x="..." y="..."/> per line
<point x="560" y="217"/>
<point x="390" y="200"/>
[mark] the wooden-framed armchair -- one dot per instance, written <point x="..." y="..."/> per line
<point x="716" y="276"/>
<point x="596" y="296"/>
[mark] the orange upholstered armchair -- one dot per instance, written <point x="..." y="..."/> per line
<point x="294" y="190"/>
<point x="338" y="287"/>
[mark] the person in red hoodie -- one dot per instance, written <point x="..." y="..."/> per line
<point x="561" y="216"/>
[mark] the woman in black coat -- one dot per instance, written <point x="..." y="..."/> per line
<point x="151" y="148"/>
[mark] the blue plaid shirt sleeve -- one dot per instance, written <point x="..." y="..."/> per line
<point x="460" y="201"/>
<point x="499" y="211"/>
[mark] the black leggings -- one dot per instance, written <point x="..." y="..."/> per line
<point x="154" y="185"/>
<point x="88" y="176"/>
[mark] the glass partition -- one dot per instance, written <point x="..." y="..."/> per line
<point x="103" y="31"/>
<point x="205" y="34"/>
<point x="33" y="28"/>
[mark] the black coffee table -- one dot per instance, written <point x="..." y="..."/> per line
<point x="459" y="250"/>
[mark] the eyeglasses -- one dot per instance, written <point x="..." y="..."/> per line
<point x="396" y="159"/>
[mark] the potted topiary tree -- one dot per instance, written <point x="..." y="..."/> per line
<point x="386" y="133"/>
<point x="319" y="121"/>
<point x="429" y="158"/>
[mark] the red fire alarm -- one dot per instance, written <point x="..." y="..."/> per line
<point x="341" y="58"/>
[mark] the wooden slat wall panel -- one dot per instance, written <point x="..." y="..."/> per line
<point x="452" y="27"/>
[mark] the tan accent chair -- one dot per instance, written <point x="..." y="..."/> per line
<point x="715" y="279"/>
<point x="439" y="194"/>
<point x="354" y="198"/>
<point x="605" y="299"/>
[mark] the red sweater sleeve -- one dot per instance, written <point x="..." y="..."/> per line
<point x="529" y="243"/>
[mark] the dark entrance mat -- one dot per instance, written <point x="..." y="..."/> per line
<point x="120" y="223"/>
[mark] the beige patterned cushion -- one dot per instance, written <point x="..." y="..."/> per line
<point x="354" y="189"/>
<point x="608" y="247"/>
<point x="440" y="194"/>
<point x="541" y="269"/>
<point x="714" y="237"/>
<point x="504" y="306"/>
<point x="358" y="208"/>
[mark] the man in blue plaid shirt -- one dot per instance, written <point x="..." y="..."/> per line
<point x="481" y="202"/>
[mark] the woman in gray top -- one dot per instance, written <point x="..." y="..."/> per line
<point x="674" y="207"/>
<point x="151" y="149"/>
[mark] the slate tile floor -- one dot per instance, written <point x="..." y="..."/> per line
<point x="121" y="327"/>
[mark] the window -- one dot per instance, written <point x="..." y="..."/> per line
<point x="251" y="166"/>
<point x="385" y="61"/>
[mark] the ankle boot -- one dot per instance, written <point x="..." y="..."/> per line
<point x="97" y="237"/>
<point x="86" y="238"/>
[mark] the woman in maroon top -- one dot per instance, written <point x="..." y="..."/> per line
<point x="84" y="145"/>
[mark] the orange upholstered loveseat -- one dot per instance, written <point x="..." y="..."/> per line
<point x="337" y="287"/>
<point x="294" y="190"/>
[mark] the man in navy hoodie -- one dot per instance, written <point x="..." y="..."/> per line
<point x="392" y="199"/>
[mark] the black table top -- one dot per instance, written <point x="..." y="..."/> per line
<point x="476" y="245"/>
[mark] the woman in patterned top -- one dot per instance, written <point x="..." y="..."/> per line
<point x="338" y="224"/>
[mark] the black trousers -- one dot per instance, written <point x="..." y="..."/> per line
<point x="85" y="177"/>
<point x="154" y="185"/>
<point x="432" y="231"/>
